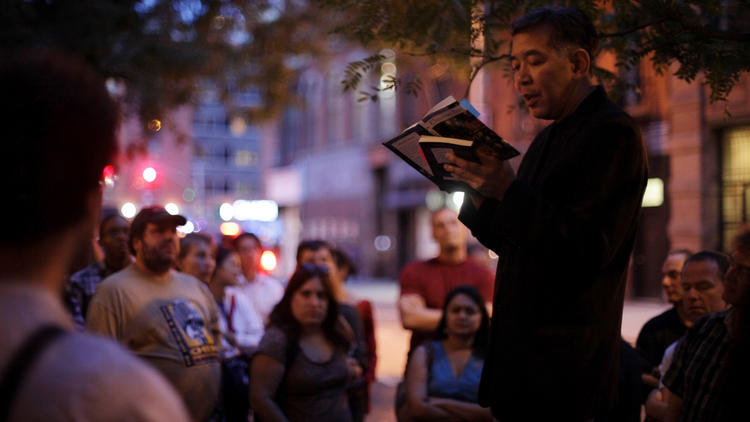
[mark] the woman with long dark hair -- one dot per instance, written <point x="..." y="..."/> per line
<point x="442" y="377"/>
<point x="301" y="368"/>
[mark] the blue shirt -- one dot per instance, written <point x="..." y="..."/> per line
<point x="443" y="383"/>
<point x="80" y="289"/>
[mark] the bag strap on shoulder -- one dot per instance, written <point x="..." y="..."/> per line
<point x="20" y="364"/>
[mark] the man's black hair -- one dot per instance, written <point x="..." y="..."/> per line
<point x="246" y="235"/>
<point x="721" y="260"/>
<point x="343" y="260"/>
<point x="567" y="25"/>
<point x="106" y="217"/>
<point x="313" y="245"/>
<point x="59" y="128"/>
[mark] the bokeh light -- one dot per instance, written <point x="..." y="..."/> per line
<point x="128" y="210"/>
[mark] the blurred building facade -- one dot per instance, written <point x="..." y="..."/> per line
<point x="229" y="164"/>
<point x="154" y="165"/>
<point x="321" y="176"/>
<point x="202" y="157"/>
<point x="322" y="162"/>
<point x="356" y="194"/>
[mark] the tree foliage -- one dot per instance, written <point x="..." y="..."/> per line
<point x="161" y="53"/>
<point x="164" y="52"/>
<point x="702" y="37"/>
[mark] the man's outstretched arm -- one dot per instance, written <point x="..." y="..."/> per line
<point x="415" y="315"/>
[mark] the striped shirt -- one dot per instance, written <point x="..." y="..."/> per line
<point x="80" y="289"/>
<point x="697" y="371"/>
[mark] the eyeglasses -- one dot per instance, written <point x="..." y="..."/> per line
<point x="314" y="269"/>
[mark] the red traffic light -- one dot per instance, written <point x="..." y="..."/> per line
<point x="108" y="172"/>
<point x="108" y="175"/>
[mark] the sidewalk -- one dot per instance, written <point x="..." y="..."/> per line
<point x="393" y="340"/>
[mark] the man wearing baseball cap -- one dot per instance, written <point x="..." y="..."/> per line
<point x="166" y="317"/>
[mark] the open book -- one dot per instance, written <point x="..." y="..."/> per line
<point x="448" y="126"/>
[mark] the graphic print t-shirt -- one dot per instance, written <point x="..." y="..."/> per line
<point x="172" y="324"/>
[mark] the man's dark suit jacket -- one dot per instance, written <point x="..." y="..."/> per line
<point x="564" y="232"/>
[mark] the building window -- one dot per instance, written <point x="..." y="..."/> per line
<point x="337" y="111"/>
<point x="633" y="84"/>
<point x="200" y="151"/>
<point x="735" y="178"/>
<point x="210" y="118"/>
<point x="244" y="189"/>
<point x="227" y="154"/>
<point x="244" y="158"/>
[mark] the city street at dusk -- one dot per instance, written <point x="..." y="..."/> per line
<point x="255" y="210"/>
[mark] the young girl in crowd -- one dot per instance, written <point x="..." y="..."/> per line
<point x="196" y="256"/>
<point x="442" y="377"/>
<point x="301" y="368"/>
<point x="197" y="259"/>
<point x="226" y="275"/>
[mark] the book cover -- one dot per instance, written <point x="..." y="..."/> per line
<point x="448" y="126"/>
<point x="435" y="149"/>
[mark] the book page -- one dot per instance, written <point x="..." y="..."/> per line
<point x="434" y="119"/>
<point x="444" y="140"/>
<point x="443" y="103"/>
<point x="408" y="146"/>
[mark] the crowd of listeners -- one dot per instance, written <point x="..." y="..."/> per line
<point x="309" y="356"/>
<point x="237" y="344"/>
<point x="229" y="337"/>
<point x="304" y="349"/>
<point x="687" y="351"/>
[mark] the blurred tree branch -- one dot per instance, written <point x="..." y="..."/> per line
<point x="708" y="37"/>
<point x="158" y="54"/>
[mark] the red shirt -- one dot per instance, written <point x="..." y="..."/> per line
<point x="433" y="279"/>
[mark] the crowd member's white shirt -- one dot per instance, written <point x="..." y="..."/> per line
<point x="666" y="361"/>
<point x="253" y="303"/>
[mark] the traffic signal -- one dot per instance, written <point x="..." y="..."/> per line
<point x="108" y="175"/>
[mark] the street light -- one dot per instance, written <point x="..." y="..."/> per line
<point x="149" y="174"/>
<point x="172" y="208"/>
<point x="128" y="210"/>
